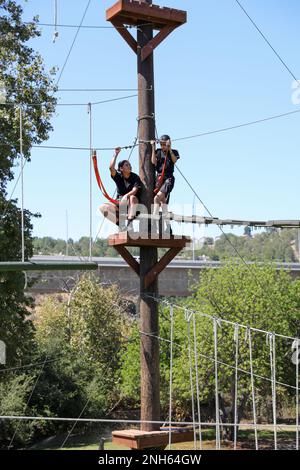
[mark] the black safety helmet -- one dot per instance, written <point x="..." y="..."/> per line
<point x="165" y="137"/>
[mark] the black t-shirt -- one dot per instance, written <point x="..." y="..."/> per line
<point x="125" y="185"/>
<point x="161" y="160"/>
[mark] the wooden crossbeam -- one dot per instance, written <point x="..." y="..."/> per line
<point x="135" y="439"/>
<point x="160" y="266"/>
<point x="151" y="45"/>
<point x="123" y="239"/>
<point x="125" y="34"/>
<point x="128" y="258"/>
<point x="135" y="13"/>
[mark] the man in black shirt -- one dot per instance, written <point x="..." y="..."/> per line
<point x="164" y="160"/>
<point x="128" y="192"/>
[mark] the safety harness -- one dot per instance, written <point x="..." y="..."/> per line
<point x="161" y="177"/>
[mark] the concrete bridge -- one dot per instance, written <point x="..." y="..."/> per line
<point x="175" y="280"/>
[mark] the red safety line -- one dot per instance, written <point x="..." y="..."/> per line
<point x="99" y="181"/>
<point x="161" y="178"/>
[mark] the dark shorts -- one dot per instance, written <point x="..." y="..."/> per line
<point x="167" y="187"/>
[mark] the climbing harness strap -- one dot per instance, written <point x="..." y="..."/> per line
<point x="161" y="177"/>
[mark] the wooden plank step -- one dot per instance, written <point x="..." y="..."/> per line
<point x="133" y="239"/>
<point x="135" y="439"/>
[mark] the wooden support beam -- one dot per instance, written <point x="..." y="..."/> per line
<point x="160" y="265"/>
<point x="124" y="239"/>
<point x="133" y="13"/>
<point x="140" y="440"/>
<point x="151" y="45"/>
<point x="128" y="258"/>
<point x="125" y="34"/>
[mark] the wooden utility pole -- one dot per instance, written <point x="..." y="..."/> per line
<point x="146" y="17"/>
<point x="150" y="382"/>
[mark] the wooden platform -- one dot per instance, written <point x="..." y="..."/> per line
<point x="134" y="13"/>
<point x="122" y="240"/>
<point x="135" y="439"/>
<point x="133" y="239"/>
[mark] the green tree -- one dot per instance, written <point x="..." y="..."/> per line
<point x="81" y="336"/>
<point x="25" y="84"/>
<point x="258" y="297"/>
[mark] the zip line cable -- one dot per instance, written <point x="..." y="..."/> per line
<point x="268" y="42"/>
<point x="88" y="90"/>
<point x="210" y="214"/>
<point x="237" y="126"/>
<point x="216" y="131"/>
<point x="84" y="26"/>
<point x="73" y="43"/>
<point x="94" y="103"/>
<point x="28" y="401"/>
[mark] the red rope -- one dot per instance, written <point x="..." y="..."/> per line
<point x="161" y="178"/>
<point x="99" y="181"/>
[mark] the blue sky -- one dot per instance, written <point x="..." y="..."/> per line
<point x="214" y="72"/>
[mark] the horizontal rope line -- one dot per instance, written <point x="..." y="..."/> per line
<point x="94" y="103"/>
<point x="211" y="317"/>
<point x="136" y="421"/>
<point x="53" y="25"/>
<point x="221" y="362"/>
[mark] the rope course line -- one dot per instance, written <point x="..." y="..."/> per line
<point x="222" y="320"/>
<point x="188" y="319"/>
<point x="297" y="394"/>
<point x="237" y="126"/>
<point x="217" y="409"/>
<point x="94" y="103"/>
<point x="132" y="421"/>
<point x="73" y="43"/>
<point x="58" y="80"/>
<point x="272" y="344"/>
<point x="87" y="402"/>
<point x="267" y="41"/>
<point x="272" y="380"/>
<point x="197" y="382"/>
<point x="216" y="321"/>
<point x="171" y="373"/>
<point x="208" y="211"/>
<point x="28" y="401"/>
<point x="236" y="339"/>
<point x="249" y="337"/>
<point x="89" y="90"/>
<point x="26" y="366"/>
<point x="83" y="26"/>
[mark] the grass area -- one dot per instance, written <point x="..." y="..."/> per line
<point x="286" y="440"/>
